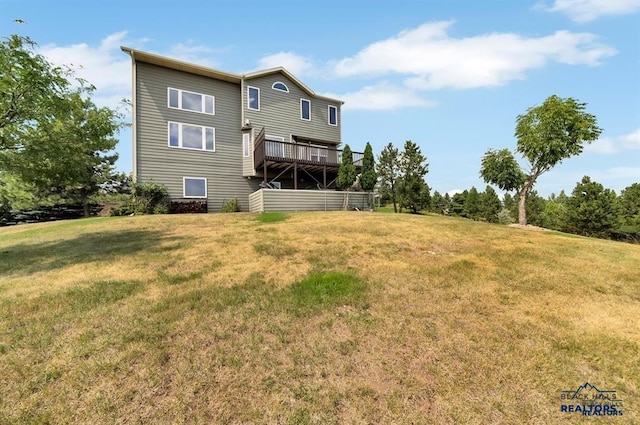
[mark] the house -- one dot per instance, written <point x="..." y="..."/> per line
<point x="263" y="138"/>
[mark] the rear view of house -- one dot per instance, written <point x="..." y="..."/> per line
<point x="264" y="137"/>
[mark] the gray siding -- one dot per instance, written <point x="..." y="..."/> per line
<point x="158" y="162"/>
<point x="280" y="112"/>
<point x="256" y="203"/>
<point x="304" y="200"/>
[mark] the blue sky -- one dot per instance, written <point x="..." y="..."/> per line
<point x="449" y="75"/>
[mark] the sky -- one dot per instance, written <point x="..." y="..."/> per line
<point x="450" y="75"/>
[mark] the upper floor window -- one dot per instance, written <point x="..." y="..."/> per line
<point x="253" y="98"/>
<point x="192" y="136"/>
<point x="190" y="101"/>
<point x="280" y="86"/>
<point x="305" y="109"/>
<point x="333" y="115"/>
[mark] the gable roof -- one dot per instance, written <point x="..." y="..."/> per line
<point x="166" y="62"/>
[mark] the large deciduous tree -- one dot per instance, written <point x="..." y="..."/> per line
<point x="388" y="168"/>
<point x="413" y="191"/>
<point x="70" y="154"/>
<point x="54" y="141"/>
<point x="31" y="88"/>
<point x="546" y="134"/>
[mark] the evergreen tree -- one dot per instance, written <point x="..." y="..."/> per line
<point x="388" y="168"/>
<point x="346" y="173"/>
<point x="368" y="177"/>
<point x="472" y="204"/>
<point x="490" y="205"/>
<point x="457" y="203"/>
<point x="592" y="209"/>
<point x="413" y="191"/>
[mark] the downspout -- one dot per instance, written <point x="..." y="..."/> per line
<point x="134" y="132"/>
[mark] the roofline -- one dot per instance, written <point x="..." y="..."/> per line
<point x="154" y="59"/>
<point x="179" y="65"/>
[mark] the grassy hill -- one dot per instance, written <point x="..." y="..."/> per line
<point x="311" y="318"/>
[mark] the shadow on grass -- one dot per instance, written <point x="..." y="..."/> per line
<point x="27" y="258"/>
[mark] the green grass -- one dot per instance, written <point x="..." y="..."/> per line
<point x="271" y="217"/>
<point x="325" y="318"/>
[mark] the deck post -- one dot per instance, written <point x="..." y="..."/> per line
<point x="324" y="177"/>
<point x="295" y="174"/>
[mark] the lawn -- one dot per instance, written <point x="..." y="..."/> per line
<point x="318" y="318"/>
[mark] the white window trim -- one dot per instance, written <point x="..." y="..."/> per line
<point x="286" y="90"/>
<point x="301" y="117"/>
<point x="180" y="91"/>
<point x="249" y="98"/>
<point x="184" y="188"/>
<point x="329" y="108"/>
<point x="204" y="136"/>
<point x="246" y="143"/>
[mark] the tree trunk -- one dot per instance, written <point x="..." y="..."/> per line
<point x="522" y="203"/>
<point x="85" y="205"/>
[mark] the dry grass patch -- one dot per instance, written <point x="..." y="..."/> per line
<point x="317" y="318"/>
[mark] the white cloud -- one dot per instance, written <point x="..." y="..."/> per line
<point x="454" y="191"/>
<point x="296" y="64"/>
<point x="104" y="66"/>
<point x="432" y="59"/>
<point x="382" y="96"/>
<point x="589" y="10"/>
<point x="610" y="145"/>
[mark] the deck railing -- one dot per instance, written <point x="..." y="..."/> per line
<point x="275" y="150"/>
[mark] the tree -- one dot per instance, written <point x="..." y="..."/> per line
<point x="31" y="89"/>
<point x="368" y="177"/>
<point x="69" y="155"/>
<point x="490" y="205"/>
<point x="546" y="135"/>
<point x="413" y="191"/>
<point x="439" y="203"/>
<point x="346" y="173"/>
<point x="389" y="171"/>
<point x="629" y="202"/>
<point x="554" y="215"/>
<point x="592" y="209"/>
<point x="472" y="204"/>
<point x="457" y="203"/>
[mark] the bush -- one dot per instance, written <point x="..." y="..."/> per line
<point x="232" y="205"/>
<point x="505" y="217"/>
<point x="146" y="198"/>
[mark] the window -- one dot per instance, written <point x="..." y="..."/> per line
<point x="246" y="145"/>
<point x="253" y="98"/>
<point x="190" y="101"/>
<point x="318" y="154"/>
<point x="305" y="109"/>
<point x="333" y="115"/>
<point x="280" y="86"/>
<point x="194" y="187"/>
<point x="192" y="136"/>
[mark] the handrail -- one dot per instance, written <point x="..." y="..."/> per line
<point x="303" y="153"/>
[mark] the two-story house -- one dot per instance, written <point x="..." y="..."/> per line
<point x="263" y="138"/>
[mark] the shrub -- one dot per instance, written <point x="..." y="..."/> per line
<point x="505" y="217"/>
<point x="232" y="205"/>
<point x="146" y="198"/>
